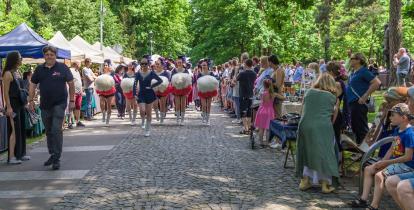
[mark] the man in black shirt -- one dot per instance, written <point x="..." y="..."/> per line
<point x="52" y="78"/>
<point x="246" y="80"/>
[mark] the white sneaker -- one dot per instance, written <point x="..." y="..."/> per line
<point x="235" y="121"/>
<point x="203" y="120"/>
<point x="14" y="161"/>
<point x="275" y="145"/>
<point x="133" y="123"/>
<point x="147" y="133"/>
<point x="208" y="122"/>
<point x="26" y="157"/>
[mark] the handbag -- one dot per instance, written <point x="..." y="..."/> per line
<point x="291" y="118"/>
<point x="23" y="94"/>
<point x="371" y="101"/>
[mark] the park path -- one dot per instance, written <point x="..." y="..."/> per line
<point x="30" y="185"/>
<point x="178" y="167"/>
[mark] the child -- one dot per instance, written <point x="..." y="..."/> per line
<point x="398" y="160"/>
<point x="265" y="113"/>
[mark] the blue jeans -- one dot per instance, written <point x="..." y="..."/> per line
<point x="89" y="95"/>
<point x="401" y="79"/>
<point x="236" y="101"/>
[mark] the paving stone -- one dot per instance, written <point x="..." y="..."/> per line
<point x="197" y="167"/>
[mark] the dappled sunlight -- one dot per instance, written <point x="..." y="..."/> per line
<point x="216" y="178"/>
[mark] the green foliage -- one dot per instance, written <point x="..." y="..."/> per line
<point x="224" y="29"/>
<point x="19" y="13"/>
<point x="304" y="30"/>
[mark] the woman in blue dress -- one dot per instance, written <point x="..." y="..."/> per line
<point x="160" y="104"/>
<point x="146" y="95"/>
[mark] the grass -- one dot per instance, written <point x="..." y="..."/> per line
<point x="379" y="99"/>
<point x="29" y="141"/>
<point x="35" y="139"/>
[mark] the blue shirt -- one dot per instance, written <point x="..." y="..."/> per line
<point x="403" y="140"/>
<point x="322" y="68"/>
<point x="360" y="82"/>
<point x="297" y="77"/>
<point x="266" y="74"/>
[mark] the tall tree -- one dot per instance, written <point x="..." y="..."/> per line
<point x="395" y="31"/>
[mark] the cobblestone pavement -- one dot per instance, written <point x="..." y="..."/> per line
<point x="196" y="167"/>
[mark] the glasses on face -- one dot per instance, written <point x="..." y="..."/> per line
<point x="144" y="64"/>
<point x="354" y="58"/>
<point x="204" y="65"/>
<point x="106" y="65"/>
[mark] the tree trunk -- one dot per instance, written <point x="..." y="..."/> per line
<point x="325" y="29"/>
<point x="395" y="28"/>
<point x="8" y="7"/>
<point x="373" y="31"/>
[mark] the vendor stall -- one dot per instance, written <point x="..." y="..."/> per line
<point x="28" y="43"/>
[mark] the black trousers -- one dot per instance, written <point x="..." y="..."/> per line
<point x="359" y="120"/>
<point x="20" y="131"/>
<point x="53" y="119"/>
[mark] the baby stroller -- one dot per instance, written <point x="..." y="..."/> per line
<point x="255" y="103"/>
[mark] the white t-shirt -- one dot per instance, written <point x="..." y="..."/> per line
<point x="86" y="83"/>
<point x="77" y="80"/>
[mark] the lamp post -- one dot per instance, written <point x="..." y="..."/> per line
<point x="101" y="23"/>
<point x="151" y="34"/>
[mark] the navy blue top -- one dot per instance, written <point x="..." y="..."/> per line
<point x="175" y="72"/>
<point x="360" y="82"/>
<point x="201" y="75"/>
<point x="52" y="84"/>
<point x="127" y="76"/>
<point x="164" y="74"/>
<point x="146" y="92"/>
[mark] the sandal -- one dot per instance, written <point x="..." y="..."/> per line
<point x="371" y="208"/>
<point x="359" y="203"/>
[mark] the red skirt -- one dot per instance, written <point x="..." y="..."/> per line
<point x="106" y="92"/>
<point x="129" y="95"/>
<point x="165" y="93"/>
<point x="182" y="92"/>
<point x="209" y="94"/>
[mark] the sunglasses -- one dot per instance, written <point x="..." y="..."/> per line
<point x="354" y="58"/>
<point x="204" y="65"/>
<point x="144" y="64"/>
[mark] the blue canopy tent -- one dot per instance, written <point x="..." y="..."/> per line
<point x="28" y="43"/>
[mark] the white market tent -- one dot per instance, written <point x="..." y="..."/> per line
<point x="60" y="41"/>
<point x="123" y="59"/>
<point x="108" y="54"/>
<point x="95" y="55"/>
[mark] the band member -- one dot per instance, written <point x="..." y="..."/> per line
<point x="162" y="90"/>
<point x="146" y="94"/>
<point x="105" y="87"/>
<point x="207" y="86"/>
<point x="181" y="88"/>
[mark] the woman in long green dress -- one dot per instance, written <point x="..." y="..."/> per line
<point x="316" y="159"/>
